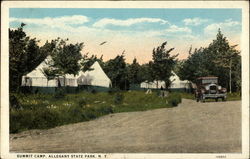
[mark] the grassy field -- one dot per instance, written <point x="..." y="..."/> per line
<point x="41" y="111"/>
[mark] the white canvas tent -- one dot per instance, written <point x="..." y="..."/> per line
<point x="94" y="77"/>
<point x="38" y="79"/>
<point x="176" y="83"/>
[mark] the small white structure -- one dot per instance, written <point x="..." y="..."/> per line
<point x="36" y="77"/>
<point x="94" y="77"/>
<point x="176" y="83"/>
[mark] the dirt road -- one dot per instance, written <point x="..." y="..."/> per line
<point x="190" y="127"/>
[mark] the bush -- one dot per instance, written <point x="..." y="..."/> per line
<point x="14" y="102"/>
<point x="90" y="113"/>
<point x="93" y="91"/>
<point x="103" y="110"/>
<point x="45" y="118"/>
<point x="113" y="90"/>
<point x="174" y="99"/>
<point x="20" y="120"/>
<point x="82" y="102"/>
<point x="76" y="114"/>
<point x="60" y="93"/>
<point x="40" y="118"/>
<point x="118" y="98"/>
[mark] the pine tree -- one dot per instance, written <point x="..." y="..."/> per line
<point x="224" y="55"/>
<point x="133" y="71"/>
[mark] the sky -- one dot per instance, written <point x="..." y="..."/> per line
<point x="135" y="30"/>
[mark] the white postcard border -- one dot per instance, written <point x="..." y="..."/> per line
<point x="244" y="5"/>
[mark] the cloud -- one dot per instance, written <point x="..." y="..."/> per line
<point x="53" y="22"/>
<point x="194" y="21"/>
<point x="128" y="22"/>
<point x="174" y="29"/>
<point x="228" y="25"/>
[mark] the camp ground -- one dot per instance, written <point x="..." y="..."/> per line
<point x="176" y="85"/>
<point x="94" y="78"/>
<point x="111" y="80"/>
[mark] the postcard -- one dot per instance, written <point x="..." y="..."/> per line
<point x="125" y="79"/>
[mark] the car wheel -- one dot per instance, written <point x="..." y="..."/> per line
<point x="202" y="99"/>
<point x="197" y="99"/>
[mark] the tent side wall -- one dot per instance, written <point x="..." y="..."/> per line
<point x="177" y="86"/>
<point x="47" y="90"/>
<point x="36" y="89"/>
<point x="91" y="88"/>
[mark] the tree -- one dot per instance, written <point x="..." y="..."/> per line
<point x="195" y="65"/>
<point x="49" y="72"/>
<point x="145" y="73"/>
<point x="163" y="64"/>
<point x="218" y="59"/>
<point x="66" y="58"/>
<point x="116" y="70"/>
<point x="24" y="55"/>
<point x="87" y="62"/>
<point x="133" y="71"/>
<point x="224" y="55"/>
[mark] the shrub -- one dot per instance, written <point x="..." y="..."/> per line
<point x="15" y="125"/>
<point x="14" y="102"/>
<point x="40" y="118"/>
<point x="113" y="90"/>
<point x="118" y="98"/>
<point x="93" y="91"/>
<point x="76" y="114"/>
<point x="174" y="99"/>
<point x="82" y="102"/>
<point x="103" y="110"/>
<point x="89" y="113"/>
<point x="60" y="93"/>
<point x="45" y="118"/>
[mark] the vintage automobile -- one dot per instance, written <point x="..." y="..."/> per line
<point x="208" y="88"/>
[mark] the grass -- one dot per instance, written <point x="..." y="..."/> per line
<point x="230" y="96"/>
<point x="42" y="111"/>
<point x="187" y="95"/>
<point x="233" y="96"/>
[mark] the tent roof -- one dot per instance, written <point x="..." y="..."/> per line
<point x="37" y="72"/>
<point x="176" y="78"/>
<point x="96" y="76"/>
<point x="96" y="71"/>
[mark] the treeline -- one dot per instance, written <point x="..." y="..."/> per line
<point x="218" y="59"/>
<point x="26" y="55"/>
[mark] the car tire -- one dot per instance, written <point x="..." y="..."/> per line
<point x="203" y="99"/>
<point x="197" y="99"/>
